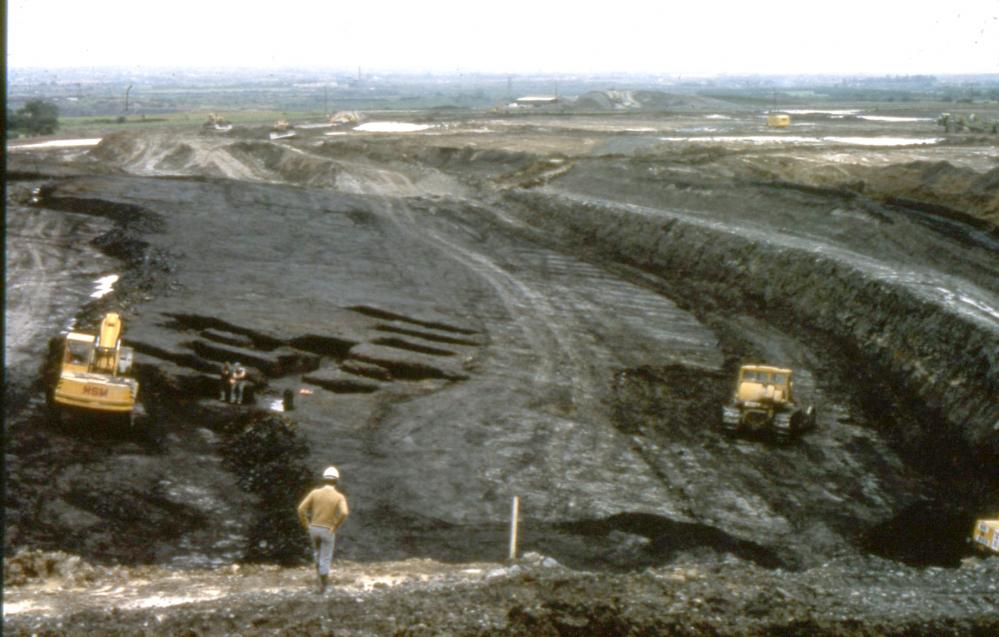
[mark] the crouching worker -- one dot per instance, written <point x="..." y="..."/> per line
<point x="321" y="514"/>
<point x="225" y="383"/>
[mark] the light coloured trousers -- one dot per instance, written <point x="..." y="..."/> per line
<point x="323" y="542"/>
<point x="237" y="392"/>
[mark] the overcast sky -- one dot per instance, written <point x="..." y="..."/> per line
<point x="513" y="36"/>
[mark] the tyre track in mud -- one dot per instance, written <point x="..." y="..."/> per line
<point x="51" y="270"/>
<point x="553" y="341"/>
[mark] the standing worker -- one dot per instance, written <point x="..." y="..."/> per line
<point x="321" y="514"/>
<point x="239" y="383"/>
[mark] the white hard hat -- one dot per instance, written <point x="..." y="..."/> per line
<point x="331" y="474"/>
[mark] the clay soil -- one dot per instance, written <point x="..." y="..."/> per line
<point x="550" y="306"/>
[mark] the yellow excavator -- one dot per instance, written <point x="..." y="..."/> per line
<point x="986" y="535"/>
<point x="94" y="372"/>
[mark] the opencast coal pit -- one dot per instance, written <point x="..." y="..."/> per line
<point x="508" y="365"/>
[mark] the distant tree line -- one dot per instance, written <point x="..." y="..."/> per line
<point x="36" y="117"/>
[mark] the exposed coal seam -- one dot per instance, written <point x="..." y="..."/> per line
<point x="392" y="316"/>
<point x="427" y="336"/>
<point x="399" y="343"/>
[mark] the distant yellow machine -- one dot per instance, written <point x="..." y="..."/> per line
<point x="764" y="402"/>
<point x="778" y="120"/>
<point x="217" y="123"/>
<point x="344" y="117"/>
<point x="282" y="129"/>
<point x="94" y="372"/>
<point x="986" y="535"/>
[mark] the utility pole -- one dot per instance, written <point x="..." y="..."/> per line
<point x="126" y="97"/>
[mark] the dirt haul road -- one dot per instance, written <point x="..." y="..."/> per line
<point x="548" y="307"/>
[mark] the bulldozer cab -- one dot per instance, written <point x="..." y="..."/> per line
<point x="764" y="401"/>
<point x="759" y="382"/>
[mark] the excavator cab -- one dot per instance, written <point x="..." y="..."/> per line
<point x="79" y="352"/>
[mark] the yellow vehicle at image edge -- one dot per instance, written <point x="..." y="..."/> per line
<point x="94" y="372"/>
<point x="764" y="402"/>
<point x="986" y="535"/>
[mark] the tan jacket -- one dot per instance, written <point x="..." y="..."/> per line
<point x="324" y="506"/>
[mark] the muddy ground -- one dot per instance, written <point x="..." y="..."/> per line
<point x="548" y="306"/>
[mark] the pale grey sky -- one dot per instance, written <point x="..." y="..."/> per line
<point x="513" y="36"/>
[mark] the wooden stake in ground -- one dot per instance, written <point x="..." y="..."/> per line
<point x="514" y="521"/>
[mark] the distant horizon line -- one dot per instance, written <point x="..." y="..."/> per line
<point x="291" y="68"/>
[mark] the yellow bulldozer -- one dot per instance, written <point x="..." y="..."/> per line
<point x="94" y="373"/>
<point x="764" y="403"/>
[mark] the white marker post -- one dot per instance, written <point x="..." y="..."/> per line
<point x="514" y="521"/>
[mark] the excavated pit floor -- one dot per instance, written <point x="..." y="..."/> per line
<point x="458" y="326"/>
